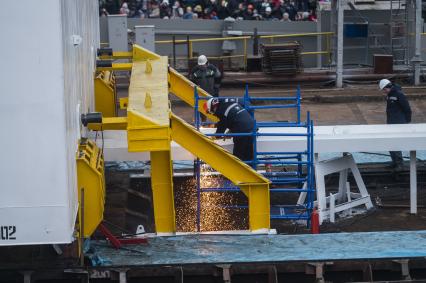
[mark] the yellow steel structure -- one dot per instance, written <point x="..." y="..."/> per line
<point x="105" y="94"/>
<point x="123" y="102"/>
<point x="162" y="191"/>
<point x="90" y="177"/>
<point x="148" y="110"/>
<point x="151" y="126"/>
<point x="116" y="55"/>
<point x="253" y="185"/>
<point x="148" y="129"/>
<point x="112" y="123"/>
<point x="184" y="89"/>
<point x="116" y="67"/>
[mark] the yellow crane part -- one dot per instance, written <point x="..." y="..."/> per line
<point x="105" y="94"/>
<point x="91" y="181"/>
<point x="109" y="123"/>
<point x="148" y="107"/>
<point x="116" y="67"/>
<point x="183" y="88"/>
<point x="148" y="129"/>
<point x="162" y="192"/>
<point x="151" y="127"/>
<point x="253" y="185"/>
<point x="142" y="54"/>
<point x="116" y="55"/>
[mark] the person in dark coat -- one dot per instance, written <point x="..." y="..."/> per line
<point x="207" y="76"/>
<point x="398" y="111"/>
<point x="234" y="117"/>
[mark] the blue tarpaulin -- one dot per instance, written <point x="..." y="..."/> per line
<point x="213" y="249"/>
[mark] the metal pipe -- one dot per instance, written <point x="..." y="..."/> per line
<point x="339" y="68"/>
<point x="298" y="103"/>
<point x="174" y="52"/>
<point x="245" y="53"/>
<point x="189" y="51"/>
<point x="280" y="124"/>
<point x="255" y="42"/>
<point x="417" y="42"/>
<point x="280" y="153"/>
<point x="261" y="78"/>
<point x="257" y="134"/>
<point x="197" y="161"/>
<point x="82" y="226"/>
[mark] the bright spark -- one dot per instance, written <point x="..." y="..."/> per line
<point x="215" y="215"/>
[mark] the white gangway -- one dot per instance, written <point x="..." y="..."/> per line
<point x="327" y="139"/>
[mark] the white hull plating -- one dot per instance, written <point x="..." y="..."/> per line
<point x="48" y="59"/>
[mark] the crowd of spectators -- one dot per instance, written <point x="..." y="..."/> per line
<point x="267" y="10"/>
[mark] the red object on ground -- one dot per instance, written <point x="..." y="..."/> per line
<point x="315" y="222"/>
<point x="118" y="242"/>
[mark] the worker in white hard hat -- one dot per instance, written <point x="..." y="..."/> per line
<point x="207" y="76"/>
<point x="233" y="116"/>
<point x="398" y="111"/>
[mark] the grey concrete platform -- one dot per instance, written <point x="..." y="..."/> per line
<point x="215" y="249"/>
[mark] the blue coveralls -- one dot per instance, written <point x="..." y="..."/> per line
<point x="398" y="111"/>
<point x="234" y="117"/>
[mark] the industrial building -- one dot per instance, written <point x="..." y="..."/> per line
<point x="117" y="166"/>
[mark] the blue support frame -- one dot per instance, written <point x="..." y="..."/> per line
<point x="281" y="181"/>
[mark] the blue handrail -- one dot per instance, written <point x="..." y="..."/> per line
<point x="299" y="179"/>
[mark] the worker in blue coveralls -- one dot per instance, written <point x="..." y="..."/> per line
<point x="234" y="117"/>
<point x="398" y="111"/>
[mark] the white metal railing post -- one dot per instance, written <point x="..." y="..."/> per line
<point x="413" y="182"/>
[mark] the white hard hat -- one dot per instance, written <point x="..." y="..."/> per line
<point x="209" y="104"/>
<point x="202" y="60"/>
<point x="383" y="83"/>
<point x="268" y="9"/>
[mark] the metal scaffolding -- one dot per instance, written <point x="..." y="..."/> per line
<point x="288" y="171"/>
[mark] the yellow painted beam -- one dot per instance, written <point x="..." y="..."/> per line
<point x="148" y="107"/>
<point x="90" y="177"/>
<point x="184" y="89"/>
<point x="141" y="54"/>
<point x="152" y="84"/>
<point x="162" y="192"/>
<point x="148" y="129"/>
<point x="253" y="185"/>
<point x="259" y="206"/>
<point x="124" y="101"/>
<point x="105" y="94"/>
<point x="116" y="55"/>
<point x="116" y="67"/>
<point x="109" y="123"/>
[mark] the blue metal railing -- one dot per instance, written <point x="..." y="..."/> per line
<point x="299" y="180"/>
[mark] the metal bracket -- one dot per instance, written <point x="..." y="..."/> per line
<point x="179" y="274"/>
<point x="341" y="165"/>
<point x="367" y="273"/>
<point x="272" y="274"/>
<point x="122" y="274"/>
<point x="316" y="268"/>
<point x="405" y="269"/>
<point x="226" y="272"/>
<point x="27" y="275"/>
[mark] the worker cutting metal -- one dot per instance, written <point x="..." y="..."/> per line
<point x="398" y="111"/>
<point x="233" y="116"/>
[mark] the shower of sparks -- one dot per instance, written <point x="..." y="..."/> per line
<point x="215" y="215"/>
